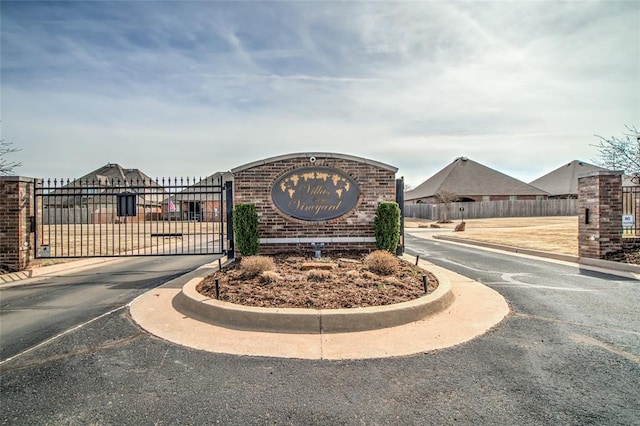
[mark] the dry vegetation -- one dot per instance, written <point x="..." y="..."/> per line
<point x="558" y="234"/>
<point x="345" y="280"/>
<point x="133" y="237"/>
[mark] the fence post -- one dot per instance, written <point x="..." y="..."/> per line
<point x="228" y="186"/>
<point x="17" y="222"/>
<point x="400" y="201"/>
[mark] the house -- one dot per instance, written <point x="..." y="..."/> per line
<point x="465" y="180"/>
<point x="201" y="201"/>
<point x="563" y="181"/>
<point x="93" y="198"/>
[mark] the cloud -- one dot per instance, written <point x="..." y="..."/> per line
<point x="197" y="87"/>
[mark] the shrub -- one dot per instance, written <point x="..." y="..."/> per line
<point x="387" y="226"/>
<point x="381" y="262"/>
<point x="245" y="228"/>
<point x="268" y="277"/>
<point x="391" y="281"/>
<point x="252" y="266"/>
<point x="318" y="275"/>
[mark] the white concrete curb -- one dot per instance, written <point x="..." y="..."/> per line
<point x="311" y="321"/>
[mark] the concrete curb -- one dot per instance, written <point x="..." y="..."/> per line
<point x="14" y="278"/>
<point x="476" y="309"/>
<point x="519" y="250"/>
<point x="608" y="264"/>
<point x="588" y="263"/>
<point x="311" y="321"/>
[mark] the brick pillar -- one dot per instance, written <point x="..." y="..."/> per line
<point x="17" y="242"/>
<point x="599" y="213"/>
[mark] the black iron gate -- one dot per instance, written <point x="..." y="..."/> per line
<point x="105" y="217"/>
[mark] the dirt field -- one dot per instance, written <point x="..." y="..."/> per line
<point x="558" y="234"/>
<point x="113" y="239"/>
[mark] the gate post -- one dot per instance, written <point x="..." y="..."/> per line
<point x="17" y="222"/>
<point x="228" y="186"/>
<point x="400" y="201"/>
<point x="599" y="214"/>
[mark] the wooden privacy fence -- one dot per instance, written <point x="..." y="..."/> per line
<point x="492" y="209"/>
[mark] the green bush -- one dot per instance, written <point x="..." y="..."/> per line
<point x="245" y="228"/>
<point x="387" y="226"/>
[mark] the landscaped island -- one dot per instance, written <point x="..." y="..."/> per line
<point x="343" y="280"/>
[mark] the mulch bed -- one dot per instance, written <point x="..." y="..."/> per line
<point x="631" y="255"/>
<point x="350" y="284"/>
<point x="5" y="269"/>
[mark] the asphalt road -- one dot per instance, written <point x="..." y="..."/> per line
<point x="569" y="354"/>
<point x="40" y="308"/>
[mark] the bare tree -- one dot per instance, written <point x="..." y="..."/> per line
<point x="6" y="166"/>
<point x="446" y="197"/>
<point x="621" y="153"/>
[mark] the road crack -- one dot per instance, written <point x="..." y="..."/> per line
<point x="85" y="351"/>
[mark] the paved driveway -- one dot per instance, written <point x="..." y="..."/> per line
<point x="569" y="354"/>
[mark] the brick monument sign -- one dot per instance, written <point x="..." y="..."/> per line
<point x="315" y="198"/>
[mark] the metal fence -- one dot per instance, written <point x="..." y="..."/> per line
<point x="492" y="209"/>
<point x="98" y="218"/>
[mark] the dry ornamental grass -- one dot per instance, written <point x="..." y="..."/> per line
<point x="558" y="234"/>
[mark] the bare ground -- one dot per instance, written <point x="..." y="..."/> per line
<point x="349" y="284"/>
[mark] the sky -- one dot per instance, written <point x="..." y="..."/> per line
<point x="192" y="88"/>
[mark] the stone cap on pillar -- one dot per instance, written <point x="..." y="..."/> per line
<point x="17" y="179"/>
<point x="312" y="156"/>
<point x="601" y="173"/>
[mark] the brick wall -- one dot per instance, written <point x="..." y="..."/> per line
<point x="279" y="232"/>
<point x="601" y="232"/>
<point x="16" y="206"/>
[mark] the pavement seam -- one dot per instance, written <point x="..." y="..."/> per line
<point x="588" y="340"/>
<point x="64" y="333"/>
<point x="577" y="324"/>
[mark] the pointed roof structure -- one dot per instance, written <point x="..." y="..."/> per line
<point x="112" y="173"/>
<point x="201" y="190"/>
<point x="468" y="178"/>
<point x="96" y="184"/>
<point x="563" y="181"/>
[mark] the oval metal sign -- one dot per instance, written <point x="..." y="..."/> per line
<point x="315" y="193"/>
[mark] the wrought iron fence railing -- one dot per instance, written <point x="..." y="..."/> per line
<point x="102" y="217"/>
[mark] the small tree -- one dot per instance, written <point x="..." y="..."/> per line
<point x="446" y="197"/>
<point x="6" y="166"/>
<point x="387" y="226"/>
<point x="245" y="228"/>
<point x="621" y="153"/>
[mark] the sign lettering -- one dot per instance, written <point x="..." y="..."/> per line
<point x="315" y="193"/>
